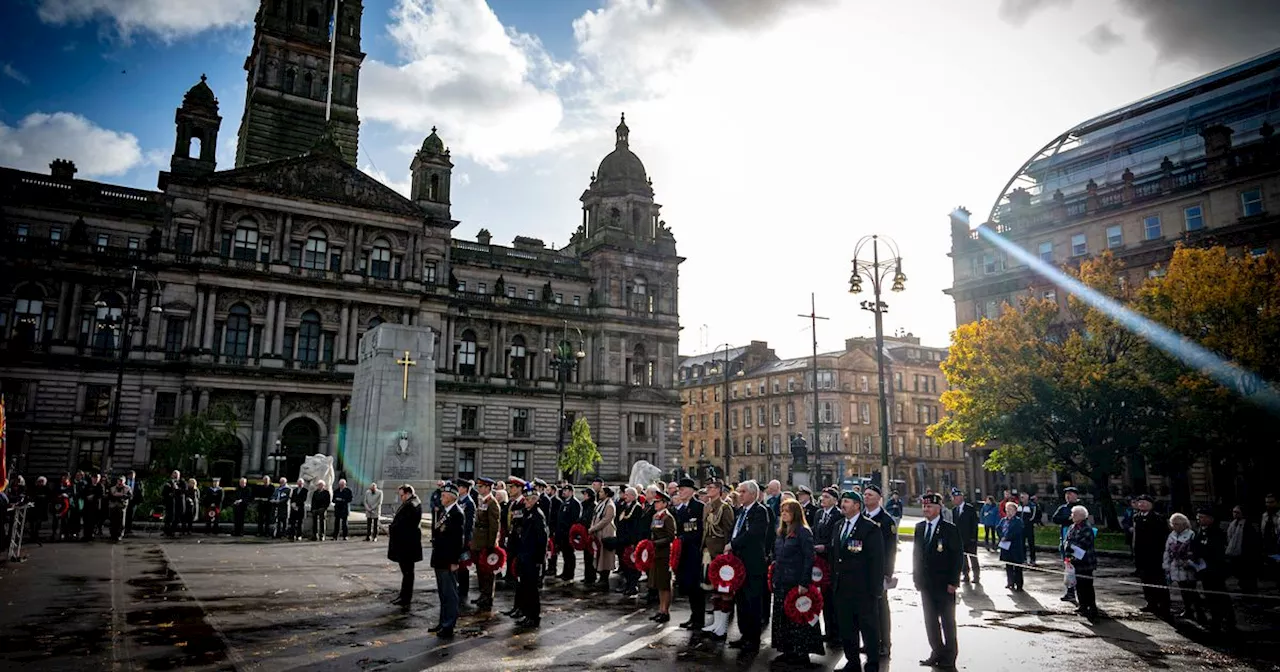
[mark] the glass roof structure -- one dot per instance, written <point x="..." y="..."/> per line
<point x="1140" y="135"/>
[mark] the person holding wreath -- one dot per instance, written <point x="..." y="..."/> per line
<point x="793" y="553"/>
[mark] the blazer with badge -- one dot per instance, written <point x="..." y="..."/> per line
<point x="858" y="560"/>
<point x="889" y="529"/>
<point x="488" y="524"/>
<point x="822" y="525"/>
<point x="966" y="522"/>
<point x="447" y="541"/>
<point x="689" y="531"/>
<point x="717" y="525"/>
<point x="749" y="542"/>
<point x="937" y="564"/>
<point x="532" y="554"/>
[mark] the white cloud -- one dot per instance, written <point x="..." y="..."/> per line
<point x="1102" y="39"/>
<point x="166" y="19"/>
<point x="401" y="186"/>
<point x="40" y="138"/>
<point x="489" y="89"/>
<point x="14" y="74"/>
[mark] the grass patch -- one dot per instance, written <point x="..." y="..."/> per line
<point x="1048" y="535"/>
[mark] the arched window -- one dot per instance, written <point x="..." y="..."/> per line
<point x="108" y="316"/>
<point x="313" y="18"/>
<point x="640" y="366"/>
<point x="380" y="260"/>
<point x="309" y="338"/>
<point x="28" y="313"/>
<point x="316" y="253"/>
<point x="290" y="80"/>
<point x="307" y="89"/>
<point x="639" y="295"/>
<point x="193" y="145"/>
<point x="518" y="357"/>
<point x="244" y="246"/>
<point x="238" y="329"/>
<point x="467" y="354"/>
<point x="433" y="188"/>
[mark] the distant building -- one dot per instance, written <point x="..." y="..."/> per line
<point x="1198" y="164"/>
<point x="748" y="433"/>
<point x="253" y="285"/>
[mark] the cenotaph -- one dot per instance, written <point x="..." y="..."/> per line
<point x="391" y="432"/>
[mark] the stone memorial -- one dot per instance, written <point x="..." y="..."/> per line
<point x="391" y="428"/>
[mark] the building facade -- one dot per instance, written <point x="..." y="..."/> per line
<point x="743" y="425"/>
<point x="1197" y="165"/>
<point x="247" y="290"/>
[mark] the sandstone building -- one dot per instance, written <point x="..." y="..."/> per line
<point x="248" y="288"/>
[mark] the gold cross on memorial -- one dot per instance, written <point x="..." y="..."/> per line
<point x="406" y="363"/>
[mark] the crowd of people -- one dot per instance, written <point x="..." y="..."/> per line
<point x="81" y="507"/>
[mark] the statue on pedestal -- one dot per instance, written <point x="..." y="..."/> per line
<point x="799" y="450"/>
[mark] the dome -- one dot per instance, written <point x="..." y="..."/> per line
<point x="433" y="144"/>
<point x="622" y="167"/>
<point x="200" y="95"/>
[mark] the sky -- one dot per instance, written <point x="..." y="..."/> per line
<point x="777" y="133"/>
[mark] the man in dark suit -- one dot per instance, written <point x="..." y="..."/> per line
<point x="568" y="511"/>
<point x="531" y="560"/>
<point x="689" y="577"/>
<point x="447" y="535"/>
<point x="965" y="518"/>
<point x="873" y="498"/>
<point x="857" y="565"/>
<point x="747" y="542"/>
<point x="467" y="504"/>
<point x="827" y="517"/>
<point x="936" y="571"/>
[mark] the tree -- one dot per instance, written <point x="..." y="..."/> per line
<point x="196" y="434"/>
<point x="1230" y="305"/>
<point x="581" y="455"/>
<point x="1053" y="393"/>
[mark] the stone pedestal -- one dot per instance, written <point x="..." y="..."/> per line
<point x="391" y="433"/>
<point x="800" y="475"/>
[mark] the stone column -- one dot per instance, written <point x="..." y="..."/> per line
<point x="335" y="419"/>
<point x="344" y="326"/>
<point x="197" y="320"/>
<point x="209" y="305"/>
<point x="350" y="264"/>
<point x="268" y="345"/>
<point x="254" y="457"/>
<point x="64" y="312"/>
<point x="184" y="403"/>
<point x="146" y="409"/>
<point x="273" y="422"/>
<point x="446" y="349"/>
<point x="279" y="336"/>
<point x="285" y="237"/>
<point x="204" y="401"/>
<point x="661" y="429"/>
<point x="353" y="337"/>
<point x="623" y="430"/>
<point x="153" y="321"/>
<point x="72" y="330"/>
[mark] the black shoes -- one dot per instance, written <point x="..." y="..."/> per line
<point x="529" y="623"/>
<point x="660" y="618"/>
<point x="747" y="645"/>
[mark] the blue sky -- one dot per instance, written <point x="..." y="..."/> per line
<point x="776" y="133"/>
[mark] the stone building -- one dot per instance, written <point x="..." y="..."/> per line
<point x="766" y="401"/>
<point x="1198" y="164"/>
<point x="248" y="289"/>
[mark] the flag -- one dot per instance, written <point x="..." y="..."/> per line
<point x="4" y="473"/>
<point x="332" y="24"/>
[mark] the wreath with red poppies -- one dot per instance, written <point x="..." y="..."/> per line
<point x="492" y="559"/>
<point x="769" y="579"/>
<point x="551" y="549"/>
<point x="821" y="573"/>
<point x="674" y="560"/>
<point x="727" y="573"/>
<point x="803" y="609"/>
<point x="578" y="537"/>
<point x="644" y="555"/>
<point x="466" y="561"/>
<point x="63" y="506"/>
<point x="629" y="557"/>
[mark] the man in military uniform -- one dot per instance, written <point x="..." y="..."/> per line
<point x="568" y="511"/>
<point x="936" y="572"/>
<point x="804" y="494"/>
<point x="873" y="498"/>
<point x="516" y="511"/>
<point x="467" y="505"/>
<point x="827" y="517"/>
<point x="447" y="545"/>
<point x="857" y="558"/>
<point x="717" y="525"/>
<point x="485" y="537"/>
<point x="688" y="514"/>
<point x="530" y="561"/>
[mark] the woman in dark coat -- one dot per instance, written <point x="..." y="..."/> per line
<point x="588" y="559"/>
<point x="1012" y="546"/>
<point x="662" y="530"/>
<point x="405" y="541"/>
<point x="793" y="566"/>
<point x="1080" y="553"/>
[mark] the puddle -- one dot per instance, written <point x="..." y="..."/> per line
<point x="166" y="624"/>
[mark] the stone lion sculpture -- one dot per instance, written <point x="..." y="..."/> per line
<point x="643" y="473"/>
<point x="317" y="467"/>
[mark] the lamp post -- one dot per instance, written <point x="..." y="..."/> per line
<point x="724" y="406"/>
<point x="877" y="271"/>
<point x="276" y="458"/>
<point x="123" y="326"/>
<point x="564" y="359"/>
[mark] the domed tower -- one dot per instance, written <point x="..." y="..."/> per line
<point x="619" y="202"/>
<point x="431" y="171"/>
<point x="196" y="149"/>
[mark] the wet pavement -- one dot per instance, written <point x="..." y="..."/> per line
<point x="220" y="603"/>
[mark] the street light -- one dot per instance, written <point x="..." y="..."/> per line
<point x="877" y="271"/>
<point x="276" y="458"/>
<point x="123" y="326"/>
<point x="564" y="359"/>
<point x="724" y="399"/>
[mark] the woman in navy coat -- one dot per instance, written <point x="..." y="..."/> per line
<point x="793" y="566"/>
<point x="1013" y="550"/>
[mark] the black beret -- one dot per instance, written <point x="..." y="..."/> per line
<point x="449" y="488"/>
<point x="1206" y="510"/>
<point x="835" y="494"/>
<point x="873" y="488"/>
<point x="688" y="483"/>
<point x="1144" y="498"/>
<point x="463" y="483"/>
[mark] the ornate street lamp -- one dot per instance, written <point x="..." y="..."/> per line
<point x="877" y="271"/>
<point x="124" y="325"/>
<point x="564" y="359"/>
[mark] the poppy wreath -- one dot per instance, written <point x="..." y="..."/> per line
<point x="676" y="547"/>
<point x="551" y="549"/>
<point x="214" y="513"/>
<point x="629" y="557"/>
<point x="769" y="579"/>
<point x="492" y="560"/>
<point x="466" y="561"/>
<point x="63" y="506"/>
<point x="803" y="609"/>
<point x="821" y="573"/>
<point x="578" y="537"/>
<point x="645" y="553"/>
<point x="727" y="573"/>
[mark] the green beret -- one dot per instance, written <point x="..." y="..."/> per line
<point x="849" y="494"/>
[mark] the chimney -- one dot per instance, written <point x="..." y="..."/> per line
<point x="62" y="169"/>
<point x="484" y="237"/>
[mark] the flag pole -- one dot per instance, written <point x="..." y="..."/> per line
<point x="333" y="48"/>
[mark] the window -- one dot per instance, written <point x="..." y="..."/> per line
<point x="702" y="448"/>
<point x="511" y="291"/>
<point x="482" y="288"/>
<point x="134" y="244"/>
<point x="237" y="341"/>
<point x="520" y="422"/>
<point x="791" y="385"/>
<point x="826" y="380"/>
<point x="462" y="286"/>
<point x="639" y="426"/>
<point x="1079" y="247"/>
<point x="702" y="422"/>
<point x="777" y="387"/>
<point x="467" y="354"/>
<point x="519" y="357"/>
<point x="104" y="241"/>
<point x="715" y="450"/>
<point x="915" y="382"/>
<point x="577" y="300"/>
<point x="244" y="244"/>
<point x="55" y="235"/>
<point x="309" y="337"/>
<point x="898" y="412"/>
<point x="777" y="415"/>
<point x="1259" y="251"/>
<point x="1046" y="252"/>
<point x="864" y="412"/>
<point x="692" y="445"/>
<point x="380" y="260"/>
<point x="1251" y="202"/>
<point x="166" y="408"/>
<point x="746" y="446"/>
<point x="693" y="420"/>
<point x="791" y="413"/>
<point x="429" y="273"/>
<point x="1193" y="217"/>
<point x="316" y="252"/>
<point x="90" y="454"/>
<point x="559" y="298"/>
<point x="733" y="419"/>
<point x="186" y="241"/>
<point x="641" y="300"/>
<point x="97" y="403"/>
<point x="1151" y="228"/>
<point x="335" y="259"/>
<point x="760" y="417"/>
<point x="467" y="464"/>
<point x="28" y="314"/>
<point x="715" y="420"/>
<point x="776" y="444"/>
<point x="992" y="263"/>
<point x="1115" y="237"/>
<point x="828" y="412"/>
<point x="897" y="381"/>
<point x="17" y="395"/>
<point x="21" y="233"/>
<point x="519" y="463"/>
<point x="746" y="418"/>
<point x="530" y="295"/>
<point x="864" y="384"/>
<point x="174" y="335"/>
